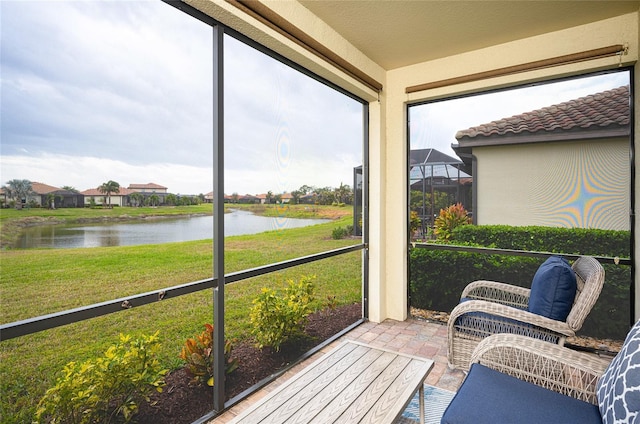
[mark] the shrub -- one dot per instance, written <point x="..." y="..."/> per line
<point x="198" y="355"/>
<point x="278" y="318"/>
<point x="450" y="218"/>
<point x="438" y="277"/>
<point x="414" y="223"/>
<point x="103" y="389"/>
<point x="340" y="233"/>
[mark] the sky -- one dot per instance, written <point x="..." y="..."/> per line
<point x="93" y="91"/>
<point x="434" y="125"/>
<point x="97" y="91"/>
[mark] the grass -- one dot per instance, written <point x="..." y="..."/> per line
<point x="40" y="281"/>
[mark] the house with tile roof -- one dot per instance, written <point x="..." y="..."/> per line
<point x="123" y="197"/>
<point x="148" y="188"/>
<point x="95" y="196"/>
<point x="48" y="196"/>
<point x="566" y="165"/>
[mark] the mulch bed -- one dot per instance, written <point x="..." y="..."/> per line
<point x="182" y="402"/>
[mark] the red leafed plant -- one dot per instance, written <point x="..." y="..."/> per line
<point x="450" y="218"/>
<point x="198" y="355"/>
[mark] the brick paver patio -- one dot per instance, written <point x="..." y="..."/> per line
<point x="413" y="337"/>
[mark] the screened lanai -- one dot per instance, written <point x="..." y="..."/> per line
<point x="437" y="180"/>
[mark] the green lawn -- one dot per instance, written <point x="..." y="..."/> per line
<point x="40" y="281"/>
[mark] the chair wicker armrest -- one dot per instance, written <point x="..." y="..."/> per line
<point x="547" y="365"/>
<point x="499" y="310"/>
<point x="495" y="291"/>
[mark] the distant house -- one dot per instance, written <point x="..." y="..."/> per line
<point x="262" y="198"/>
<point x="566" y="165"/>
<point x="48" y="196"/>
<point x="148" y="188"/>
<point x="249" y="199"/>
<point x="431" y="170"/>
<point x="208" y="198"/>
<point x="309" y="198"/>
<point x="121" y="198"/>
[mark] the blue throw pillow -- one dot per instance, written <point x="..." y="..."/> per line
<point x="553" y="289"/>
<point x="619" y="387"/>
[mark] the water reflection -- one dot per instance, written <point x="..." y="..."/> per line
<point x="152" y="231"/>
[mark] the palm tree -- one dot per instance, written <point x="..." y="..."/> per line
<point x="268" y="197"/>
<point x="18" y="190"/>
<point x="70" y="188"/>
<point x="108" y="188"/>
<point x="153" y="200"/>
<point x="343" y="193"/>
<point x="136" y="198"/>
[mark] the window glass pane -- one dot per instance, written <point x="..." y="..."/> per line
<point x="334" y="304"/>
<point x="555" y="155"/>
<point x="106" y="113"/>
<point x="291" y="146"/>
<point x="97" y="93"/>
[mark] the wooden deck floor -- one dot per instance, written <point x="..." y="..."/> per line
<point x="413" y="337"/>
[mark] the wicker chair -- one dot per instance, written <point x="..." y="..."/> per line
<point x="550" y="366"/>
<point x="516" y="378"/>
<point x="496" y="308"/>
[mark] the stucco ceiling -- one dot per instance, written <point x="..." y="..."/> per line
<point x="396" y="33"/>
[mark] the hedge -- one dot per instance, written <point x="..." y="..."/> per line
<point x="437" y="277"/>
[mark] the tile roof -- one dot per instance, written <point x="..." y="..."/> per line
<point x="95" y="192"/>
<point x="41" y="188"/>
<point x="148" y="185"/>
<point x="608" y="109"/>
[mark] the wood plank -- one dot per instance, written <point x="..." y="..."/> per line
<point x="398" y="395"/>
<point x="376" y="392"/>
<point x="353" y="383"/>
<point x="339" y="405"/>
<point x="261" y="409"/>
<point x="336" y="390"/>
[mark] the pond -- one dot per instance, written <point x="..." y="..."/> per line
<point x="154" y="231"/>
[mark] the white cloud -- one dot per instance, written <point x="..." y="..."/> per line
<point x="102" y="90"/>
<point x="84" y="173"/>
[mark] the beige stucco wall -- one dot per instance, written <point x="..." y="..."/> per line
<point x="559" y="184"/>
<point x="388" y="140"/>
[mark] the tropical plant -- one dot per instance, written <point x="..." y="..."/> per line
<point x="269" y="197"/>
<point x="414" y="223"/>
<point x="278" y="318"/>
<point x="137" y="199"/>
<point x="108" y="188"/>
<point x="103" y="389"/>
<point x="198" y="355"/>
<point x="450" y="218"/>
<point x="343" y="194"/>
<point x="51" y="200"/>
<point x="18" y="190"/>
<point x="326" y="195"/>
<point x="153" y="200"/>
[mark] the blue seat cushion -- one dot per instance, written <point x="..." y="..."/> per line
<point x="489" y="397"/>
<point x="553" y="289"/>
